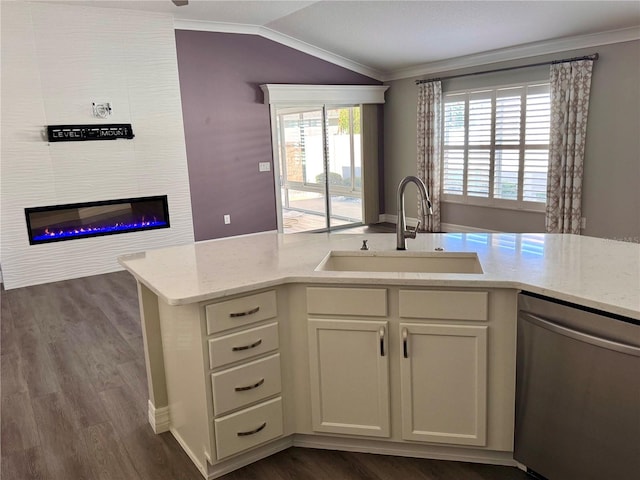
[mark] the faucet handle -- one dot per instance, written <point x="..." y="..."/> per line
<point x="412" y="233"/>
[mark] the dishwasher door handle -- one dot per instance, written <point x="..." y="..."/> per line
<point x="580" y="336"/>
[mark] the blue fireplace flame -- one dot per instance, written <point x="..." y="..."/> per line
<point x="100" y="230"/>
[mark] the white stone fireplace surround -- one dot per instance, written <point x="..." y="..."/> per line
<point x="56" y="61"/>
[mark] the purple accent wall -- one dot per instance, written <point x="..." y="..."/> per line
<point x="227" y="127"/>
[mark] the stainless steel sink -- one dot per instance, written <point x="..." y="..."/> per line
<point x="401" y="261"/>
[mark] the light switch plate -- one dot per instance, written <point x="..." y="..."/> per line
<point x="264" y="166"/>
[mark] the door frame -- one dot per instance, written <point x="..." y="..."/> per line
<point x="312" y="95"/>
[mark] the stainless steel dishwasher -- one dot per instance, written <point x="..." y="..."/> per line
<point x="577" y="392"/>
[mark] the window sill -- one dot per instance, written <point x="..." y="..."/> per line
<point x="520" y="207"/>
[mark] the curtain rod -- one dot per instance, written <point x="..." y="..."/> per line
<point x="553" y="62"/>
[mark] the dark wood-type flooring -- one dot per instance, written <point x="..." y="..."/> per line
<point x="74" y="400"/>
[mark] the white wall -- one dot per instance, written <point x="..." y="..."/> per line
<point x="56" y="60"/>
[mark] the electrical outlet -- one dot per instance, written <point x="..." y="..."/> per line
<point x="583" y="223"/>
<point x="227" y="219"/>
<point x="264" y="167"/>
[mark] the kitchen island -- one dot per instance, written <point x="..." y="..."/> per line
<point x="297" y="338"/>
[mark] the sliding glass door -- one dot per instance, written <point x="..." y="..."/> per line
<point x="320" y="167"/>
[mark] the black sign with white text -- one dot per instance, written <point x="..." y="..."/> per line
<point x="79" y="133"/>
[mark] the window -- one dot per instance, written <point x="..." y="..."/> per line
<point x="496" y="146"/>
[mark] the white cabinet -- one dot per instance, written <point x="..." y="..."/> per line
<point x="240" y="311"/>
<point x="248" y="428"/>
<point x="436" y="383"/>
<point x="247" y="343"/>
<point x="349" y="360"/>
<point x="242" y="383"/>
<point x="444" y="383"/>
<point x="245" y="384"/>
<point x="415" y="371"/>
<point x="444" y="366"/>
<point x="223" y="375"/>
<point x="349" y="375"/>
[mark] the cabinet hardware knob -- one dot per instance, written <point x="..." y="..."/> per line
<point x="252" y="432"/>
<point x="405" y="343"/>
<point x="244" y="314"/>
<point x="250" y="387"/>
<point x="247" y="347"/>
<point x="381" y="332"/>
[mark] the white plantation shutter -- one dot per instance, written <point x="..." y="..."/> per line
<point x="478" y="173"/>
<point x="508" y="115"/>
<point x="538" y="115"/>
<point x="536" y="156"/>
<point x="454" y="139"/>
<point x="534" y="188"/>
<point x="480" y="118"/>
<point x="496" y="145"/>
<point x="479" y="141"/>
<point x="453" y="172"/>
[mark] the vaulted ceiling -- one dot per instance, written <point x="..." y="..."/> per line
<point x="392" y="39"/>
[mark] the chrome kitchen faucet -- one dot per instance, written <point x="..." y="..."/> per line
<point x="401" y="232"/>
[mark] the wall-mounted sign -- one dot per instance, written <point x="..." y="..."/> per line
<point x="79" y="133"/>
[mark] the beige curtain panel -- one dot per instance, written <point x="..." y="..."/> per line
<point x="570" y="87"/>
<point x="429" y="148"/>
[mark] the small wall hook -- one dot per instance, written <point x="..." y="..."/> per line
<point x="101" y="110"/>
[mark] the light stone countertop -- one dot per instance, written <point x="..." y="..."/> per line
<point x="593" y="272"/>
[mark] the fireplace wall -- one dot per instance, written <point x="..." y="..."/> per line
<point x="56" y="61"/>
<point x="76" y="221"/>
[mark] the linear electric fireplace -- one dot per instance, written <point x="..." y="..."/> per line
<point x="92" y="219"/>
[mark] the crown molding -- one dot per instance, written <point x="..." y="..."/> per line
<point x="220" y="27"/>
<point x="517" y="53"/>
<point x="281" y="38"/>
<point x="484" y="58"/>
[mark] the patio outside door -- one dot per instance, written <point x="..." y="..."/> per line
<point x="320" y="168"/>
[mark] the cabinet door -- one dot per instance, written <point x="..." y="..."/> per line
<point x="349" y="374"/>
<point x="444" y="383"/>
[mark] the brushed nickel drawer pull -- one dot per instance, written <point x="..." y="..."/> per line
<point x="249" y="387"/>
<point x="244" y="314"/>
<point x="252" y="432"/>
<point x="247" y="347"/>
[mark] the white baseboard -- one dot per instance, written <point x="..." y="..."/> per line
<point x="445" y="227"/>
<point x="380" y="447"/>
<point x="459" y="454"/>
<point x="227" y="466"/>
<point x="201" y="468"/>
<point x="388" y="218"/>
<point x="158" y="418"/>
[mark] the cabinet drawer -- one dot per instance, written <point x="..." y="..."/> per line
<point x="370" y="302"/>
<point x="248" y="428"/>
<point x="445" y="305"/>
<point x="243" y="345"/>
<point x="240" y="311"/>
<point x="246" y="384"/>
